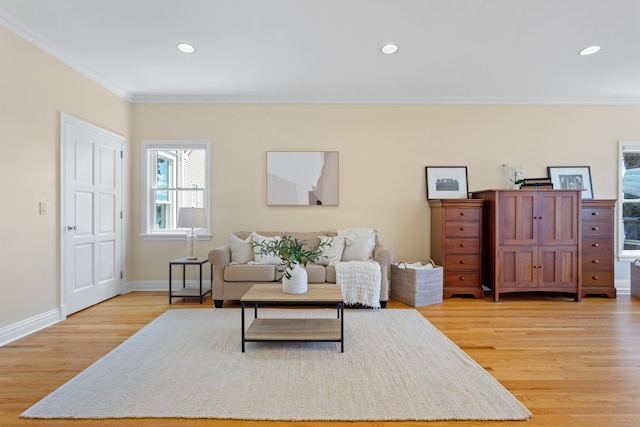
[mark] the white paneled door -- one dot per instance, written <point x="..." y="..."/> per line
<point x="91" y="214"/>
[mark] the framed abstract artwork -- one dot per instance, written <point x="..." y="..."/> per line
<point x="302" y="178"/>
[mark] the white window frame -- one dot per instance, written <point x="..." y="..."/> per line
<point x="624" y="147"/>
<point x="148" y="204"/>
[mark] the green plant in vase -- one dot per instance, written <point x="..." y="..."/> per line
<point x="292" y="251"/>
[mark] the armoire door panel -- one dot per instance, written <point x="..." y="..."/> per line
<point x="517" y="266"/>
<point x="558" y="266"/>
<point x="558" y="218"/>
<point x="518" y="213"/>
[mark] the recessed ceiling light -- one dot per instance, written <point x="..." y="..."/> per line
<point x="186" y="48"/>
<point x="388" y="49"/>
<point x="590" y="50"/>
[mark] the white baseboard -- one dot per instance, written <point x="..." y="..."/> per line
<point x="623" y="286"/>
<point x="159" y="285"/>
<point x="28" y="326"/>
<point x="147" y="285"/>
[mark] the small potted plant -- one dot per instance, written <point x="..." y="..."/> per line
<point x="514" y="175"/>
<point x="295" y="254"/>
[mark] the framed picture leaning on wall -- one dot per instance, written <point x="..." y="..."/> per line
<point x="572" y="178"/>
<point x="446" y="182"/>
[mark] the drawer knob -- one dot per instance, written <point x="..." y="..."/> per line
<point x="594" y="213"/>
<point x="595" y="277"/>
<point x="461" y="228"/>
<point x="595" y="245"/>
<point x="461" y="278"/>
<point x="595" y="261"/>
<point x="595" y="228"/>
<point x="463" y="261"/>
<point x="461" y="213"/>
<point x="462" y="245"/>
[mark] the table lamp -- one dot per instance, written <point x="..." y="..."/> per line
<point x="192" y="218"/>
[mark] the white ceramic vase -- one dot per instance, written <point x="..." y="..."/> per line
<point x="298" y="282"/>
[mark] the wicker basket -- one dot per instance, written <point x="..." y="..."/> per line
<point x="635" y="278"/>
<point x="416" y="287"/>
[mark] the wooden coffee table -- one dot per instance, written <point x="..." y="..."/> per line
<point x="294" y="329"/>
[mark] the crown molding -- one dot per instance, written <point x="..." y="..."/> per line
<point x="20" y="29"/>
<point x="215" y="99"/>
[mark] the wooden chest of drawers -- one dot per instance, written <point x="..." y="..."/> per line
<point x="456" y="236"/>
<point x="598" y="247"/>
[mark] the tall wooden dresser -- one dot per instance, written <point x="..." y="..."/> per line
<point x="456" y="245"/>
<point x="532" y="241"/>
<point x="598" y="247"/>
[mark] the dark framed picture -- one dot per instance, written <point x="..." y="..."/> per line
<point x="446" y="182"/>
<point x="572" y="178"/>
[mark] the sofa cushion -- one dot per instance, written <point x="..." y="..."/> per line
<point x="331" y="274"/>
<point x="250" y="273"/>
<point x="241" y="250"/>
<point x="312" y="238"/>
<point x="258" y="256"/>
<point x="244" y="234"/>
<point x="316" y="273"/>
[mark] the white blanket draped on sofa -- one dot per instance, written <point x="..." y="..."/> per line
<point x="360" y="282"/>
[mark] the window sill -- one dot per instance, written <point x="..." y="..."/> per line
<point x="173" y="236"/>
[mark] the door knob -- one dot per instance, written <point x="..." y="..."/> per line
<point x="72" y="227"/>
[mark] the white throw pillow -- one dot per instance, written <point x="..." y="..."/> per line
<point x="360" y="249"/>
<point x="333" y="253"/>
<point x="356" y="233"/>
<point x="241" y="250"/>
<point x="263" y="258"/>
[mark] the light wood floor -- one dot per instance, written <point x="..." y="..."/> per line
<point x="572" y="364"/>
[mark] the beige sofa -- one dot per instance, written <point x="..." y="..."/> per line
<point x="235" y="270"/>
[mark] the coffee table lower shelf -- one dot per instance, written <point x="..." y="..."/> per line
<point x="294" y="330"/>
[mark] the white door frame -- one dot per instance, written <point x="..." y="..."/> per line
<point x="66" y="118"/>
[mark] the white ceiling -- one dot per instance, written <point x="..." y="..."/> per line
<point x="328" y="51"/>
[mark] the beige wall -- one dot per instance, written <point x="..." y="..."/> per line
<point x="34" y="89"/>
<point x="383" y="152"/>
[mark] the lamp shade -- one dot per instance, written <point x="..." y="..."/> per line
<point x="192" y="218"/>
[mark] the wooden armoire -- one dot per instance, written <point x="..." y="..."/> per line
<point x="532" y="241"/>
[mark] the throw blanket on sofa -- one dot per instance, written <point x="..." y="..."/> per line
<point x="360" y="282"/>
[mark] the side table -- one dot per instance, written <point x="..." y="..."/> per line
<point x="188" y="292"/>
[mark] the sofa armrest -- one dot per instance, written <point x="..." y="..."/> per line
<point x="219" y="259"/>
<point x="384" y="257"/>
<point x="220" y="256"/>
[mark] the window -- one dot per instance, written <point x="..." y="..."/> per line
<point x="175" y="174"/>
<point x="629" y="212"/>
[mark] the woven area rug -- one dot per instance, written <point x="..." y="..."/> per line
<point x="188" y="363"/>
